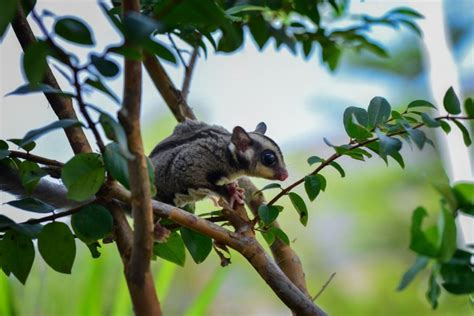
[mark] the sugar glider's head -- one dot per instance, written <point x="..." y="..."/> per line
<point x="258" y="154"/>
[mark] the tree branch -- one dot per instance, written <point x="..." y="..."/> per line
<point x="189" y="72"/>
<point x="284" y="255"/>
<point x="61" y="105"/>
<point x="129" y="117"/>
<point x="144" y="299"/>
<point x="335" y="156"/>
<point x="167" y="89"/>
<point x="325" y="285"/>
<point x="34" y="158"/>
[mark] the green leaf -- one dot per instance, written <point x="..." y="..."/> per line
<point x="464" y="193"/>
<point x="280" y="234"/>
<point x="46" y="89"/>
<point x="378" y="111"/>
<point x="116" y="164"/>
<point x="420" y="103"/>
<point x="314" y="159"/>
<point x="429" y="121"/>
<point x="423" y="243"/>
<point x="260" y="30"/>
<point x="420" y="263"/>
<point x="151" y="176"/>
<point x="4" y="152"/>
<point x="406" y="11"/>
<point x="451" y="102"/>
<point x="83" y="176"/>
<point x="312" y="186"/>
<point x="137" y="28"/>
<point x="37" y="133"/>
<point x="356" y="122"/>
<point x="469" y="107"/>
<point x="8" y="8"/>
<point x="99" y="85"/>
<point x="299" y="206"/>
<point x="338" y="168"/>
<point x="457" y="273"/>
<point x="92" y="223"/>
<point x="198" y="245"/>
<point x="57" y="246"/>
<point x="465" y="133"/>
<point x="114" y="131"/>
<point x="413" y="26"/>
<point x="445" y="126"/>
<point x="172" y="250"/>
<point x="268" y="213"/>
<point x="73" y="30"/>
<point x="34" y="62"/>
<point x="159" y="49"/>
<point x="434" y="290"/>
<point x="27" y="147"/>
<point x="30" y="175"/>
<point x="388" y="145"/>
<point x="447" y="235"/>
<point x="269" y="236"/>
<point x="270" y="186"/>
<point x="17" y="254"/>
<point x="106" y="67"/>
<point x="417" y="136"/>
<point x="32" y="205"/>
<point x="94" y="249"/>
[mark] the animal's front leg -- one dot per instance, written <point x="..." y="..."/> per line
<point x="235" y="194"/>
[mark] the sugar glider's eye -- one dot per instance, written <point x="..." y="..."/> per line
<point x="268" y="158"/>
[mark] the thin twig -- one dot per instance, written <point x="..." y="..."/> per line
<point x="324" y="286"/>
<point x="61" y="105"/>
<point x="52" y="217"/>
<point x="178" y="51"/>
<point x="335" y="156"/>
<point x="35" y="158"/>
<point x="189" y="69"/>
<point x="76" y="82"/>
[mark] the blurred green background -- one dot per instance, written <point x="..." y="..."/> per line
<point x="358" y="228"/>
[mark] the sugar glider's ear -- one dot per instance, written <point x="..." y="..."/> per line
<point x="261" y="128"/>
<point x="241" y="139"/>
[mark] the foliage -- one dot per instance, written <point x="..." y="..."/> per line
<point x="298" y="25"/>
<point x="436" y="246"/>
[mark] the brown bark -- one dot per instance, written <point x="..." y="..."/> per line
<point x="167" y="89"/>
<point x="284" y="255"/>
<point x="61" y="105"/>
<point x="144" y="299"/>
<point x="142" y="212"/>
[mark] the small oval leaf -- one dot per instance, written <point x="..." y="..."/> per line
<point x="57" y="246"/>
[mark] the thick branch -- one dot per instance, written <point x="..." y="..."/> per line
<point x="143" y="297"/>
<point x="61" y="105"/>
<point x="142" y="213"/>
<point x="284" y="255"/>
<point x="167" y="89"/>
